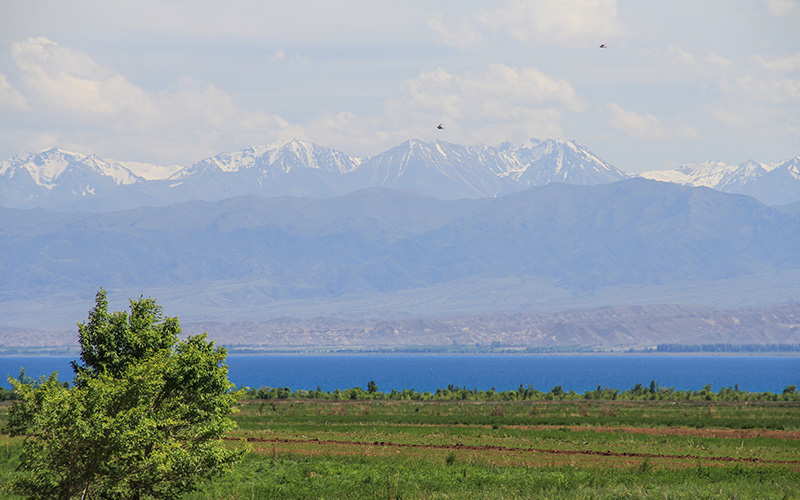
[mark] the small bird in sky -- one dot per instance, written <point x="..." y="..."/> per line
<point x="602" y="45"/>
<point x="440" y="127"/>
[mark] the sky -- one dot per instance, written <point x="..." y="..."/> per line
<point x="172" y="82"/>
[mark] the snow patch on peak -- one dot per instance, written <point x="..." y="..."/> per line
<point x="793" y="167"/>
<point x="48" y="166"/>
<point x="273" y="159"/>
<point x="712" y="174"/>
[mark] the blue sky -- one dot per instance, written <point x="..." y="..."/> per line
<point x="172" y="82"/>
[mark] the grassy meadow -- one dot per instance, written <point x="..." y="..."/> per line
<point x="366" y="449"/>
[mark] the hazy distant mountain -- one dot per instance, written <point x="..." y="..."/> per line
<point x="291" y="168"/>
<point x="713" y="174"/>
<point x="439" y="169"/>
<point x="53" y="176"/>
<point x="294" y="168"/>
<point x="383" y="251"/>
<point x="779" y="186"/>
<point x="272" y="161"/>
<point x="562" y="161"/>
<point x="588" y="237"/>
<point x="450" y="171"/>
<point x="772" y="184"/>
<point x="75" y="182"/>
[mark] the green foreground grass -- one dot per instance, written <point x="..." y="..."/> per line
<point x="306" y="449"/>
<point x="334" y="477"/>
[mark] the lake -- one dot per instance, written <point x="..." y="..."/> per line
<point x="503" y="372"/>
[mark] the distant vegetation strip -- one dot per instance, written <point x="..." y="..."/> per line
<point x="760" y="348"/>
<point x="638" y="392"/>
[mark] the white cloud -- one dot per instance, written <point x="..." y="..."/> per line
<point x="80" y="102"/>
<point x="760" y="121"/>
<point x="62" y="78"/>
<point x="778" y="91"/>
<point x="772" y="91"/>
<point x="781" y="7"/>
<point x="463" y="35"/>
<point x="461" y="95"/>
<point x="519" y="103"/>
<point x="678" y="55"/>
<point x="571" y="22"/>
<point x="185" y="120"/>
<point x="779" y="64"/>
<point x="634" y="124"/>
<point x="10" y="98"/>
<point x="673" y="53"/>
<point x="348" y="132"/>
<point x="719" y="61"/>
<point x="279" y="55"/>
<point x="763" y="107"/>
<point x="728" y="116"/>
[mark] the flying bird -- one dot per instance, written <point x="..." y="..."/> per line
<point x="440" y="127"/>
<point x="602" y="45"/>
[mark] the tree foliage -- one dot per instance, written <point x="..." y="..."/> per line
<point x="143" y="419"/>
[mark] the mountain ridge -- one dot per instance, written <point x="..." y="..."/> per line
<point x="391" y="253"/>
<point x="776" y="184"/>
<point x="437" y="168"/>
<point x="62" y="180"/>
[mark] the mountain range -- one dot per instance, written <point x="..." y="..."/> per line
<point x="772" y="184"/>
<point x="290" y="232"/>
<point x="76" y="182"/>
<point x="385" y="253"/>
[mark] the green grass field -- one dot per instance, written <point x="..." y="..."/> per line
<point x="316" y="449"/>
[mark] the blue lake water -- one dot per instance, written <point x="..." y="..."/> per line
<point x="429" y="372"/>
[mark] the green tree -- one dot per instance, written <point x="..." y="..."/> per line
<point x="144" y="419"/>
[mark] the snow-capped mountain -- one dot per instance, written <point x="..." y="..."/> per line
<point x="712" y="174"/>
<point x="778" y="186"/>
<point x="47" y="167"/>
<point x="55" y="176"/>
<point x="450" y="171"/>
<point x="72" y="181"/>
<point x="563" y="161"/>
<point x="772" y="184"/>
<point x="274" y="160"/>
<point x="439" y="169"/>
<point x="290" y="168"/>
